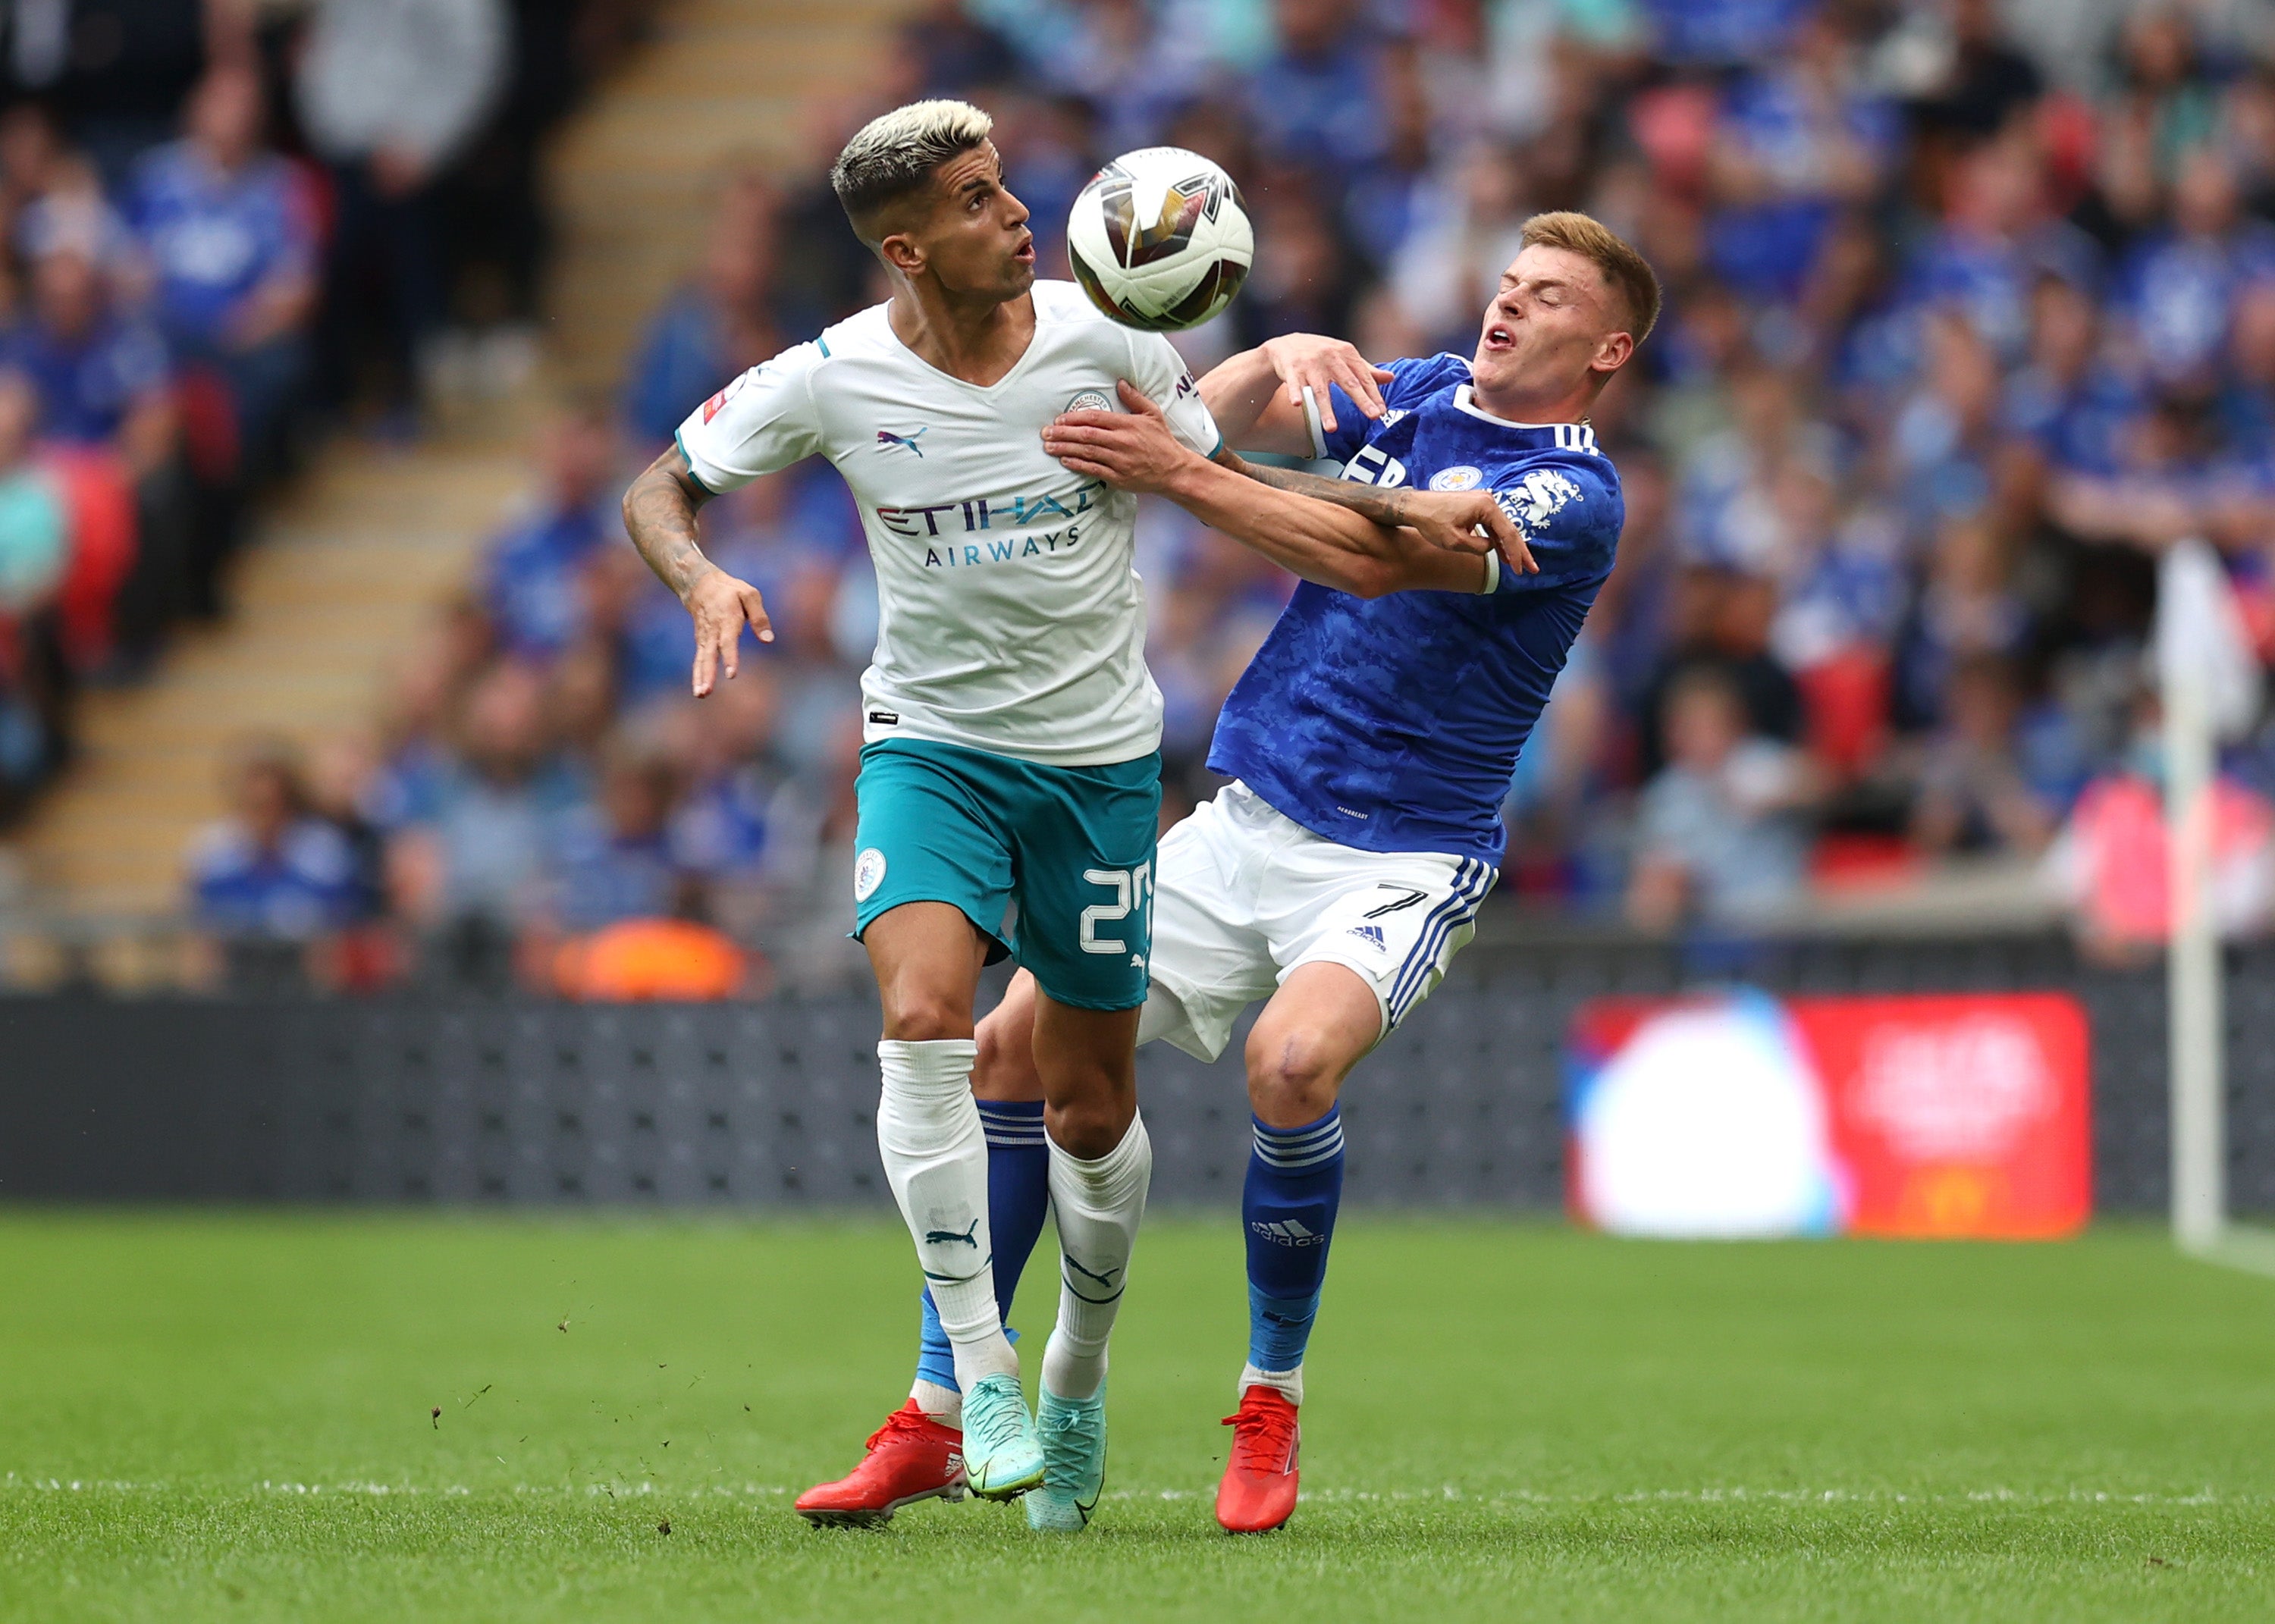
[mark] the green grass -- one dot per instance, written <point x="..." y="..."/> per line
<point x="230" y="1418"/>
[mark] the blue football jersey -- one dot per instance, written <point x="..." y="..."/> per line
<point x="1393" y="723"/>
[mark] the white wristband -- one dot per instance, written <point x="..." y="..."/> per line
<point x="1492" y="576"/>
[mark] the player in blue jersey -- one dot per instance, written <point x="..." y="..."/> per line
<point x="1371" y="741"/>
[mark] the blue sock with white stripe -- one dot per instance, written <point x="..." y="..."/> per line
<point x="1018" y="1195"/>
<point x="1287" y="1211"/>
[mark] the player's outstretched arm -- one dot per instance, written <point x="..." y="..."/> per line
<point x="660" y="517"/>
<point x="1457" y="521"/>
<point x="1256" y="396"/>
<point x="1133" y="450"/>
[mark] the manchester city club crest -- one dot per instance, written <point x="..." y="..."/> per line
<point x="868" y="873"/>
<point x="1090" y="400"/>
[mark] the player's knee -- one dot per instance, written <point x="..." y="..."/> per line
<point x="1090" y="1105"/>
<point x="1090" y="1126"/>
<point x="926" y="1017"/>
<point x="1293" y="1077"/>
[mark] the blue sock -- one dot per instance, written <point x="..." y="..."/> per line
<point x="1288" y="1212"/>
<point x="1019" y="1195"/>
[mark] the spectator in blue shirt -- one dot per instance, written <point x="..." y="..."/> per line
<point x="1797" y="138"/>
<point x="103" y="374"/>
<point x="232" y="250"/>
<point x="532" y="567"/>
<point x="613" y="859"/>
<point x="2068" y="401"/>
<point x="270" y="871"/>
<point x="1714" y="32"/>
<point x="2182" y="286"/>
<point x="105" y="385"/>
<point x="718" y="325"/>
<point x="1998" y="242"/>
<point x="2247" y="397"/>
<point x="1317" y="101"/>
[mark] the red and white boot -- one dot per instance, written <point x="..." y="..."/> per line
<point x="1258" y="1490"/>
<point x="911" y="1458"/>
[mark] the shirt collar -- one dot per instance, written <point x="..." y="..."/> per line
<point x="1533" y="436"/>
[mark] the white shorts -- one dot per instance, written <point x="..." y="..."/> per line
<point x="1243" y="894"/>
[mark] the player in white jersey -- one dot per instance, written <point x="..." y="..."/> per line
<point x="1010" y="755"/>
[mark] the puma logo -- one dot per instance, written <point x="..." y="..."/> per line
<point x="942" y="1237"/>
<point x="1105" y="1280"/>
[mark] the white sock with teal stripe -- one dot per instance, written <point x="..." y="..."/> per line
<point x="935" y="1156"/>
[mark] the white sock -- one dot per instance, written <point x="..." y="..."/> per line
<point x="935" y="1157"/>
<point x="944" y="1405"/>
<point x="1288" y="1383"/>
<point x="1098" y="1206"/>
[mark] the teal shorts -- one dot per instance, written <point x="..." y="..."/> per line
<point x="1072" y="846"/>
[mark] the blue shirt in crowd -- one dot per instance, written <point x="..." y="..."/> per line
<point x="1393" y="723"/>
<point x="306" y="884"/>
<point x="88" y="385"/>
<point x="213" y="236"/>
<point x="2181" y="290"/>
<point x="529" y="579"/>
<point x="683" y="357"/>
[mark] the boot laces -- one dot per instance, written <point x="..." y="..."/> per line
<point x="1262" y="1435"/>
<point x="901" y="1422"/>
<point x="991" y="1426"/>
<point x="1084" y="1426"/>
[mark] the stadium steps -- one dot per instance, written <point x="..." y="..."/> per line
<point x="724" y="82"/>
<point x="349" y="567"/>
<point x="347" y="573"/>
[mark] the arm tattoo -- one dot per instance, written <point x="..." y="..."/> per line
<point x="1387" y="507"/>
<point x="659" y="516"/>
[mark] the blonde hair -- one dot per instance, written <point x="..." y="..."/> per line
<point x="895" y="154"/>
<point x="1627" y="272"/>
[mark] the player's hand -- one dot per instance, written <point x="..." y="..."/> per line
<point x="721" y="606"/>
<point x="1307" y="361"/>
<point x="1131" y="450"/>
<point x="1469" y="522"/>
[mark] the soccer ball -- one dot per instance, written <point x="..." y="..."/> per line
<point x="1159" y="239"/>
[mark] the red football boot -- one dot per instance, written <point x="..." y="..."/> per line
<point x="1258" y="1490"/>
<point x="911" y="1458"/>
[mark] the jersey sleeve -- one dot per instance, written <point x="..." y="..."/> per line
<point x="1412" y="380"/>
<point x="1569" y="511"/>
<point x="762" y="421"/>
<point x="1158" y="370"/>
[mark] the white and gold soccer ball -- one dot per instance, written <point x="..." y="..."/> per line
<point x="1159" y="239"/>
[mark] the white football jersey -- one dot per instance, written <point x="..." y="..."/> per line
<point x="1011" y="615"/>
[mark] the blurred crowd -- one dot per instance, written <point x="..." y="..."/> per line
<point x="225" y="227"/>
<point x="1970" y="314"/>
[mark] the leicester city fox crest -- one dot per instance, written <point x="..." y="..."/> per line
<point x="1539" y="497"/>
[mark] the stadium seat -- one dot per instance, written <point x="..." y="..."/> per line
<point x="99" y="499"/>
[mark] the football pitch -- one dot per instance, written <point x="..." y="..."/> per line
<point x="262" y="1417"/>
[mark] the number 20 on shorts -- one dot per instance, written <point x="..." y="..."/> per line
<point x="1132" y="888"/>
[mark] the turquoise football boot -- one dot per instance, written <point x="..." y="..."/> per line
<point x="1003" y="1457"/>
<point x="1074" y="1462"/>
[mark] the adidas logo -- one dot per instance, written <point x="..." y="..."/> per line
<point x="1286" y="1232"/>
<point x="1372" y="934"/>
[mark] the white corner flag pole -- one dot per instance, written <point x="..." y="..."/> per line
<point x="2193" y="620"/>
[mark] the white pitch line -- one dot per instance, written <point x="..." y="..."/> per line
<point x="1327" y="1496"/>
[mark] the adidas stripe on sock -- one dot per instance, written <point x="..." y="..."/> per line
<point x="1288" y="1213"/>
